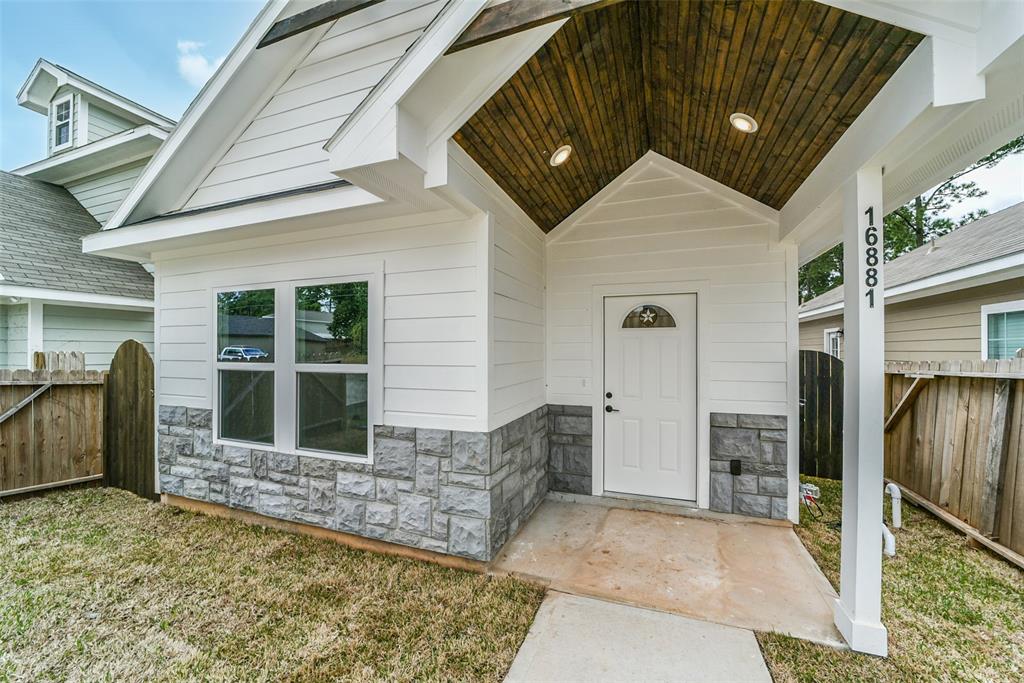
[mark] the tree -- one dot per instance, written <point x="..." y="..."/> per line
<point x="910" y="226"/>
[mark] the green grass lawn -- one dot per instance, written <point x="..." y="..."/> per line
<point x="953" y="613"/>
<point x="97" y="584"/>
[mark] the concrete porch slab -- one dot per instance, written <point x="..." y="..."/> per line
<point x="735" y="573"/>
<point x="582" y="639"/>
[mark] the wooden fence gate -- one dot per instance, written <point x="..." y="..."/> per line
<point x="128" y="458"/>
<point x="821" y="415"/>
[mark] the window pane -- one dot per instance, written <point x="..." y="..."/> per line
<point x="332" y="412"/>
<point x="245" y="326"/>
<point x="331" y="323"/>
<point x="64" y="111"/>
<point x="63" y="130"/>
<point x="247" y="405"/>
<point x="996" y="325"/>
<point x="648" y="315"/>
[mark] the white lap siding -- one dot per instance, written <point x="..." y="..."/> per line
<point x="662" y="223"/>
<point x="432" y="306"/>
<point x="96" y="332"/>
<point x="282" y="147"/>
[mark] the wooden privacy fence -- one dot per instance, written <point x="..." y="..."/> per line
<point x="61" y="424"/>
<point x="821" y="415"/>
<point x="954" y="435"/>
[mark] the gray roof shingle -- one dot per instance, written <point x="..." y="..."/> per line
<point x="41" y="231"/>
<point x="994" y="236"/>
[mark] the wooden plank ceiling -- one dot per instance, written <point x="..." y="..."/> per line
<point x="665" y="76"/>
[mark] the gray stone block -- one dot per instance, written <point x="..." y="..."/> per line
<point x="383" y="431"/>
<point x="434" y="441"/>
<point x="578" y="410"/>
<point x="185" y="472"/>
<point x="183" y="432"/>
<point x="764" y="470"/>
<point x="721" y="491"/>
<point x="763" y="421"/>
<point x="773" y="435"/>
<point x="745" y="483"/>
<point x="382" y="514"/>
<point x="200" y="418"/>
<point x="173" y="415"/>
<point x="242" y="493"/>
<point x="394" y="458"/>
<point x="405" y="433"/>
<point x="259" y="463"/>
<point x="387" y="490"/>
<point x="414" y="514"/>
<point x="577" y="459"/>
<point x="471" y="452"/>
<point x="773" y="452"/>
<point x="723" y="419"/>
<point x="172" y="485"/>
<point x="727" y="442"/>
<point x="468" y="537"/>
<point x="321" y="495"/>
<point x="428" y="469"/>
<point x="281" y="478"/>
<point x="320" y="468"/>
<point x="270" y="488"/>
<point x="473" y="481"/>
<point x="350" y="515"/>
<point x="772" y="486"/>
<point x="779" y="508"/>
<point x="752" y="505"/>
<point x="355" y="485"/>
<point x="275" y="506"/>
<point x="719" y="465"/>
<point x="462" y="501"/>
<point x="573" y="424"/>
<point x="285" y="463"/>
<point x="570" y="483"/>
<point x="202" y="443"/>
<point x="234" y="455"/>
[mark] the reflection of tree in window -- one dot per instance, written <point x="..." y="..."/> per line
<point x="331" y="323"/>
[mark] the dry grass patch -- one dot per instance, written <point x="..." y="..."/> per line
<point x="98" y="584"/>
<point x="953" y="613"/>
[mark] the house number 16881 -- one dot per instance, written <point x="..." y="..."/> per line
<point x="871" y="256"/>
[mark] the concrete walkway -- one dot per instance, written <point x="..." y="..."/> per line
<point x="582" y="639"/>
<point x="725" y="571"/>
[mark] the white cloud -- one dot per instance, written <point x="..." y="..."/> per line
<point x="193" y="65"/>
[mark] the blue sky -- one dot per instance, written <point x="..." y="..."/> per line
<point x="156" y="52"/>
<point x="159" y="53"/>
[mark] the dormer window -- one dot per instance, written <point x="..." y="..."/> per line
<point x="62" y="123"/>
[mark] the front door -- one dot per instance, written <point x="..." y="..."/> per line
<point x="650" y="390"/>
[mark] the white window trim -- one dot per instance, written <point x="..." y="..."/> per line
<point x="69" y="98"/>
<point x="286" y="369"/>
<point x="989" y="309"/>
<point x="825" y="334"/>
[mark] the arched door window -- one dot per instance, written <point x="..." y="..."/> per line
<point x="648" y="315"/>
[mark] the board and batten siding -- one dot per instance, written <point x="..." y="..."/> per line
<point x="102" y="193"/>
<point x="517" y="321"/>
<point x="102" y="123"/>
<point x="282" y="148"/>
<point x="660" y="222"/>
<point x="14" y="333"/>
<point x="936" y="328"/>
<point x="96" y="332"/>
<point x="433" y="305"/>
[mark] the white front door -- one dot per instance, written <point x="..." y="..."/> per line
<point x="650" y="395"/>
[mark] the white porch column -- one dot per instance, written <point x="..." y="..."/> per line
<point x="858" y="610"/>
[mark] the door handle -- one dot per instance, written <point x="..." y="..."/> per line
<point x="609" y="409"/>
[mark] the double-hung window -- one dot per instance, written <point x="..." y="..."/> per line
<point x="834" y="342"/>
<point x="62" y="123"/>
<point x="294" y="366"/>
<point x="1002" y="330"/>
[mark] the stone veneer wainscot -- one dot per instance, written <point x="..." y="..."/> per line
<point x="759" y="443"/>
<point x="461" y="493"/>
<point x="570" y="432"/>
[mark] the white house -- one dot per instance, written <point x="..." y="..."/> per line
<point x="558" y="247"/>
<point x="52" y="296"/>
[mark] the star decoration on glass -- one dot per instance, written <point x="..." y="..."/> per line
<point x="647" y="317"/>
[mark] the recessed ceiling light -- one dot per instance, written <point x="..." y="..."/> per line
<point x="743" y="123"/>
<point x="561" y="155"/>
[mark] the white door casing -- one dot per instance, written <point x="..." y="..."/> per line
<point x="650" y="436"/>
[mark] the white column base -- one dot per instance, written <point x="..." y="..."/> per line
<point x="869" y="638"/>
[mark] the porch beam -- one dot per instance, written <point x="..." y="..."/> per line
<point x="516" y="16"/>
<point x="311" y="18"/>
<point x="858" y="611"/>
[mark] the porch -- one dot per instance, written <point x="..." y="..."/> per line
<point x="716" y="568"/>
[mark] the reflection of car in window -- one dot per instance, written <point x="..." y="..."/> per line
<point x="229" y="353"/>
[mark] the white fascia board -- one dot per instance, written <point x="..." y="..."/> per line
<point x="118" y="103"/>
<point x="957" y="21"/>
<point x="86" y="299"/>
<point x="974" y="275"/>
<point x="49" y="169"/>
<point x="378" y="105"/>
<point x="134" y="241"/>
<point x="209" y="95"/>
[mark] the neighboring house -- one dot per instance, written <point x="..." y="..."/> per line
<point x="960" y="297"/>
<point x="52" y="296"/>
<point x="577" y="275"/>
